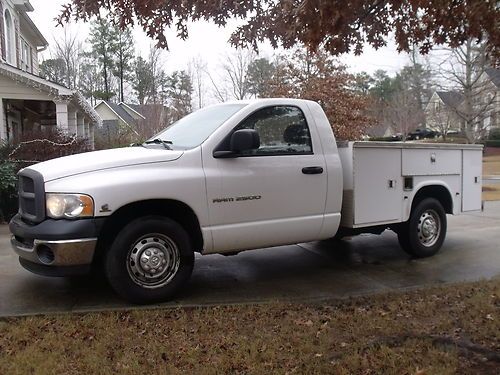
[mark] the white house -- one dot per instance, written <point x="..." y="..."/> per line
<point x="138" y="120"/>
<point x="447" y="110"/>
<point x="27" y="101"/>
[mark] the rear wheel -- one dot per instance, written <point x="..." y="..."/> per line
<point x="424" y="233"/>
<point x="150" y="260"/>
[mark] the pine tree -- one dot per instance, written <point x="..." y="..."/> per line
<point x="124" y="58"/>
<point x="103" y="40"/>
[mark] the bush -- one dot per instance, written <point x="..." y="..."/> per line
<point x="394" y="138"/>
<point x="8" y="193"/>
<point x="492" y="143"/>
<point x="40" y="146"/>
<point x="32" y="148"/>
<point x="494" y="134"/>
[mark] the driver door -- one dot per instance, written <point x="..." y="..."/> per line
<point x="271" y="195"/>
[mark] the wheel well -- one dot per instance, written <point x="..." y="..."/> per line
<point x="438" y="192"/>
<point x="175" y="210"/>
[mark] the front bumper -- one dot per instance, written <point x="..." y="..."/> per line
<point x="56" y="253"/>
<point x="55" y="247"/>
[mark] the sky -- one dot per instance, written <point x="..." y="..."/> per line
<point x="206" y="40"/>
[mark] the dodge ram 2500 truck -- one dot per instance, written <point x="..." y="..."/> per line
<point x="227" y="178"/>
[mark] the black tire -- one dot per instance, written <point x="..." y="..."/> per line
<point x="418" y="235"/>
<point x="153" y="243"/>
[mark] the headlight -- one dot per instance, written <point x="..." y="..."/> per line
<point x="70" y="206"/>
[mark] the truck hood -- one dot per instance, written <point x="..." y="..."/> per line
<point x="99" y="160"/>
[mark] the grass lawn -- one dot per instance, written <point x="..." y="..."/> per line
<point x="491" y="167"/>
<point x="441" y="330"/>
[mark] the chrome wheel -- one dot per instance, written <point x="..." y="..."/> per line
<point x="153" y="261"/>
<point x="429" y="228"/>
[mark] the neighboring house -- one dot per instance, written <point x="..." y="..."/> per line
<point x="381" y="130"/>
<point x="120" y="119"/>
<point x="442" y="111"/>
<point x="29" y="103"/>
<point x="441" y="114"/>
<point x="491" y="94"/>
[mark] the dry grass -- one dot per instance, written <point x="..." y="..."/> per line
<point x="399" y="333"/>
<point x="491" y="192"/>
<point x="491" y="165"/>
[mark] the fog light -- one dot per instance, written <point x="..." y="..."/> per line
<point x="45" y="254"/>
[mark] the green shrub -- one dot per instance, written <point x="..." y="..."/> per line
<point x="385" y="139"/>
<point x="8" y="193"/>
<point x="494" y="134"/>
<point x="492" y="143"/>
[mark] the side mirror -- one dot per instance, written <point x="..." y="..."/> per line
<point x="241" y="140"/>
<point x="244" y="140"/>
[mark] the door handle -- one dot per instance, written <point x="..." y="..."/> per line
<point x="312" y="170"/>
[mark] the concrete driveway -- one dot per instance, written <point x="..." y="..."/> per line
<point x="312" y="271"/>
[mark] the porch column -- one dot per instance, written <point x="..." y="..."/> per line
<point x="62" y="115"/>
<point x="80" y="125"/>
<point x="3" y="126"/>
<point x="72" y="115"/>
<point x="91" y="135"/>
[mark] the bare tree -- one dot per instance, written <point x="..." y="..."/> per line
<point x="233" y="82"/>
<point x="236" y="71"/>
<point x="219" y="91"/>
<point x="69" y="49"/>
<point x="157" y="74"/>
<point x="403" y="112"/>
<point x="465" y="68"/>
<point x="197" y="72"/>
<point x="442" y="117"/>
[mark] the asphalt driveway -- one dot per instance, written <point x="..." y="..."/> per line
<point x="312" y="271"/>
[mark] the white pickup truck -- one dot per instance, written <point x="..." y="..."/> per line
<point x="228" y="178"/>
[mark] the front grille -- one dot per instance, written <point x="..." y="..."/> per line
<point x="31" y="196"/>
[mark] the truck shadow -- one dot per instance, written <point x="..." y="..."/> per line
<point x="310" y="271"/>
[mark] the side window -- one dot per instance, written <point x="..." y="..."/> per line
<point x="282" y="130"/>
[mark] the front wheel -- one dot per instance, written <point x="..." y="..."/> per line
<point x="424" y="233"/>
<point x="150" y="260"/>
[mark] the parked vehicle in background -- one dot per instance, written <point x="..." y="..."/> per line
<point x="423" y="134"/>
<point x="228" y="178"/>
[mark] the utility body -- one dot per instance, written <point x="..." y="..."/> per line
<point x="233" y="177"/>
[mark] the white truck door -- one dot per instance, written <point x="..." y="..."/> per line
<point x="471" y="179"/>
<point x="273" y="195"/>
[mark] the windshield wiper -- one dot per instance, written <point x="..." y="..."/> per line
<point x="159" y="141"/>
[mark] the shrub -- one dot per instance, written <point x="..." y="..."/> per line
<point x="492" y="143"/>
<point x="385" y="139"/>
<point x="8" y="193"/>
<point x="39" y="146"/>
<point x="494" y="134"/>
<point x="32" y="148"/>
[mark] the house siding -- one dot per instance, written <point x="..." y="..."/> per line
<point x="22" y="32"/>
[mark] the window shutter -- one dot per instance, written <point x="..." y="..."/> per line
<point x="2" y="32"/>
<point x="30" y="59"/>
<point x="18" y="49"/>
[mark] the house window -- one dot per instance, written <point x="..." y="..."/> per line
<point x="25" y="56"/>
<point x="9" y="38"/>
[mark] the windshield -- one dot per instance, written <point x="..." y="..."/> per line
<point x="192" y="130"/>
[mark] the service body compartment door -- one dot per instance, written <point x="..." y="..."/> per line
<point x="471" y="179"/>
<point x="431" y="162"/>
<point x="378" y="186"/>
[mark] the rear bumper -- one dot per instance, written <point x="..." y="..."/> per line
<point x="56" y="247"/>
